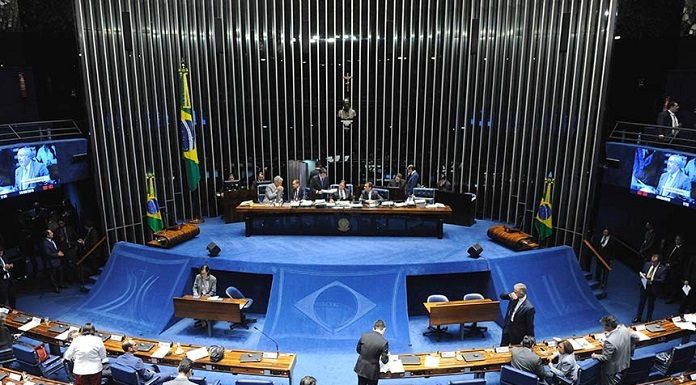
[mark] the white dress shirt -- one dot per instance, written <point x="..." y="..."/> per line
<point x="519" y="303"/>
<point x="87" y="353"/>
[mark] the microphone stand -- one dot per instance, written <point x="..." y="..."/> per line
<point x="269" y="355"/>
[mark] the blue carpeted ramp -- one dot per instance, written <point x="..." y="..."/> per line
<point x="332" y="307"/>
<point x="557" y="288"/>
<point x="135" y="290"/>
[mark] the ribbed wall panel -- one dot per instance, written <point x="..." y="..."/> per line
<point x="496" y="114"/>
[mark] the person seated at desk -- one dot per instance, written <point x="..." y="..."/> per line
<point x="274" y="191"/>
<point x="370" y="195"/>
<point x="341" y="193"/>
<point x="129" y="360"/>
<point x="523" y="358"/>
<point x="185" y="371"/>
<point x="298" y="192"/>
<point x="204" y="285"/>
<point x="565" y="367"/>
<point x="397" y="182"/>
<point x="6" y="338"/>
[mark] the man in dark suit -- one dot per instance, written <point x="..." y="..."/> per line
<point x="369" y="194"/>
<point x="519" y="319"/>
<point x="7" y="288"/>
<point x="668" y="118"/>
<point x="412" y="179"/>
<point x="52" y="261"/>
<point x="675" y="262"/>
<point x="317" y="183"/>
<point x="604" y="246"/>
<point x="372" y="349"/>
<point x="523" y="358"/>
<point x="652" y="277"/>
<point x="297" y="193"/>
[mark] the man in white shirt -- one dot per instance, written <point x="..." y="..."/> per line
<point x="87" y="353"/>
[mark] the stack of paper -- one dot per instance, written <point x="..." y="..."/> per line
<point x="400" y="204"/>
<point x="600" y="337"/>
<point x="580" y="343"/>
<point x="30" y="325"/>
<point x="685" y="325"/>
<point x="214" y="298"/>
<point x="641" y="336"/>
<point x="162" y="350"/>
<point x="690" y="317"/>
<point x="394" y="365"/>
<point x="197" y="354"/>
<point x="432" y="361"/>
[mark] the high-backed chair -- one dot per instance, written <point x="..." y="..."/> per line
<point x="261" y="191"/>
<point x="473" y="328"/>
<point x="426" y="193"/>
<point x="29" y="362"/>
<point x="233" y="292"/>
<point x="437" y="331"/>
<point x="253" y="382"/>
<point x="203" y="381"/>
<point x="7" y="356"/>
<point x="512" y="376"/>
<point x="349" y="189"/>
<point x="589" y="372"/>
<point x="383" y="192"/>
<point x="678" y="361"/>
<point x="124" y="375"/>
<point x="639" y="369"/>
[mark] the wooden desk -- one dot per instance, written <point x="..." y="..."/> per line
<point x="676" y="380"/>
<point x="226" y="309"/>
<point x="387" y="221"/>
<point x="494" y="360"/>
<point x="27" y="377"/>
<point x="279" y="367"/>
<point x="231" y="199"/>
<point x="458" y="312"/>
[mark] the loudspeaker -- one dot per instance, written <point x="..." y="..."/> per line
<point x="475" y="250"/>
<point x="213" y="249"/>
<point x="127" y="34"/>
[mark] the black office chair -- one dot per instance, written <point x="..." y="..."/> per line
<point x="233" y="292"/>
<point x="437" y="331"/>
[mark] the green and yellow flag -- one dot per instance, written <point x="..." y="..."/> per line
<point x="543" y="222"/>
<point x="154" y="218"/>
<point x="188" y="134"/>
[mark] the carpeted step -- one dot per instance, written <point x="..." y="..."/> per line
<point x="599" y="293"/>
<point x="94" y="277"/>
<point x="593" y="284"/>
<point x="89" y="286"/>
<point x="588" y="275"/>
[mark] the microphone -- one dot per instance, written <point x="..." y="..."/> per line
<point x="274" y="341"/>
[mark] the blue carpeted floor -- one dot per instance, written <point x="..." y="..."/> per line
<point x="326" y="290"/>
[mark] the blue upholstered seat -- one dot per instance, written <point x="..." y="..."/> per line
<point x="639" y="369"/>
<point x="473" y="381"/>
<point x="203" y="381"/>
<point x="28" y="361"/>
<point x="589" y="372"/>
<point x="512" y="376"/>
<point x="678" y="362"/>
<point x="124" y="375"/>
<point x="253" y="382"/>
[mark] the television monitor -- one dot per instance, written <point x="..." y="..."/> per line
<point x="664" y="174"/>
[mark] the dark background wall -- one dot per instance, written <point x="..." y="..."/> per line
<point x="495" y="93"/>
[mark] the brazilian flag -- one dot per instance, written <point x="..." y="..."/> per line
<point x="154" y="218"/>
<point x="543" y="222"/>
<point x="188" y="134"/>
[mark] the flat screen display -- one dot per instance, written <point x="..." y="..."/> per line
<point x="665" y="175"/>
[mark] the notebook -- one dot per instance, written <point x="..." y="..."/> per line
<point x="472" y="357"/>
<point x="250" y="357"/>
<point x="654" y="328"/>
<point x="409" y="359"/>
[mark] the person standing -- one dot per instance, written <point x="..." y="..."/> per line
<point x="412" y="179"/>
<point x="519" y="319"/>
<point x="605" y="246"/>
<point x="7" y="289"/>
<point x="372" y="348"/>
<point x="317" y="183"/>
<point x="87" y="352"/>
<point x="675" y="262"/>
<point x="617" y="350"/>
<point x="648" y="246"/>
<point x="652" y="277"/>
<point x="52" y="261"/>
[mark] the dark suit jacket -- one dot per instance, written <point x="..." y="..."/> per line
<point x="607" y="252"/>
<point x="664" y="119"/>
<point x="348" y="196"/>
<point x="50" y="253"/>
<point x="676" y="258"/>
<point x="523" y="325"/>
<point x="316" y="184"/>
<point x="372" y="348"/>
<point x="658" y="278"/>
<point x="411" y="182"/>
<point x="373" y="196"/>
<point x="525" y="359"/>
<point x="300" y="194"/>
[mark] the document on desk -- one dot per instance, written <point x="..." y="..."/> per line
<point x="329" y="191"/>
<point x="431" y="361"/>
<point x="685" y="325"/>
<point x="394" y="365"/>
<point x="30" y="325"/>
<point x="690" y="317"/>
<point x="162" y="350"/>
<point x="600" y="337"/>
<point x="197" y="354"/>
<point x="580" y="343"/>
<point x="642" y="336"/>
<point x="64" y="335"/>
<point x="214" y="298"/>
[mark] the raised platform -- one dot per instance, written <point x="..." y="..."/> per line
<point x="326" y="290"/>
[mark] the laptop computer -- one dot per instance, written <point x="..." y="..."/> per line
<point x="58" y="328"/>
<point x="409" y="359"/>
<point x="250" y="357"/>
<point x="654" y="328"/>
<point x="144" y="346"/>
<point x="473" y="356"/>
<point x="22" y="318"/>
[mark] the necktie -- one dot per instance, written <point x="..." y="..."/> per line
<point x="297" y="193"/>
<point x="5" y="273"/>
<point x="54" y="244"/>
<point x="651" y="272"/>
<point x="604" y="241"/>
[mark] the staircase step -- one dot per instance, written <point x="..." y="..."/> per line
<point x="89" y="286"/>
<point x="599" y="293"/>
<point x="587" y="274"/>
<point x="94" y="277"/>
<point x="100" y="269"/>
<point x="593" y="284"/>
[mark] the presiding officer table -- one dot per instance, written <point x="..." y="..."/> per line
<point x="387" y="221"/>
